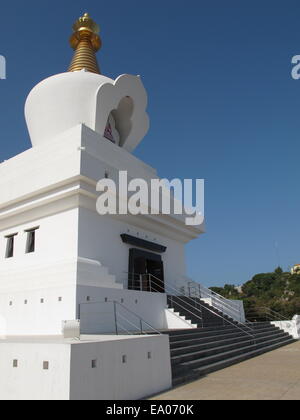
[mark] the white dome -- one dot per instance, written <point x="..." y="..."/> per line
<point x="62" y="102"/>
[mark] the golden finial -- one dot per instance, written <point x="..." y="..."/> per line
<point x="86" y="42"/>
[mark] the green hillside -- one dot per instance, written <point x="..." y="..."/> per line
<point x="278" y="291"/>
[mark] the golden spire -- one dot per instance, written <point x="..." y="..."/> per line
<point x="86" y="42"/>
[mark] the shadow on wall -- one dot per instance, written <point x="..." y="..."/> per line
<point x="3" y="327"/>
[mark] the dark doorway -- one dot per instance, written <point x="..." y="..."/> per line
<point x="146" y="271"/>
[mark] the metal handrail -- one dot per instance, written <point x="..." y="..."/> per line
<point x="151" y="287"/>
<point x="268" y="312"/>
<point x="129" y="322"/>
<point x="139" y="317"/>
<point x="256" y="317"/>
<point x="213" y="295"/>
<point x="208" y="309"/>
<point x="190" y="312"/>
<point x="116" y="315"/>
<point x="208" y="290"/>
<point x="178" y="292"/>
<point x="279" y="315"/>
<point x="224" y="302"/>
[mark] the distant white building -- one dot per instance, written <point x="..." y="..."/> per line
<point x="295" y="269"/>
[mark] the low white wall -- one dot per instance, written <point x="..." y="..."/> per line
<point x="138" y="378"/>
<point x="97" y="316"/>
<point x="29" y="381"/>
<point x="292" y="327"/>
<point x="126" y="368"/>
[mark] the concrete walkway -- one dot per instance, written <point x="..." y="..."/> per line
<point x="271" y="376"/>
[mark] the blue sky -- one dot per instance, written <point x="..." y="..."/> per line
<point x="222" y="103"/>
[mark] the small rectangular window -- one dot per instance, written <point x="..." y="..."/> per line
<point x="10" y="246"/>
<point x="15" y="363"/>
<point x="45" y="365"/>
<point x="31" y="236"/>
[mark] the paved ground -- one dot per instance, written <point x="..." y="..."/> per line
<point x="271" y="376"/>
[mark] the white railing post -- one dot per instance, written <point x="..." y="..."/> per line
<point x="141" y="282"/>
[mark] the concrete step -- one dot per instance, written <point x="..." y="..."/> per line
<point x="198" y="363"/>
<point x="217" y="328"/>
<point x="219" y="341"/>
<point x="237" y="332"/>
<point x="205" y="319"/>
<point x="207" y="344"/>
<point x="188" y="339"/>
<point x="214" y="329"/>
<point x="203" y="308"/>
<point x="221" y="364"/>
<point x="221" y="348"/>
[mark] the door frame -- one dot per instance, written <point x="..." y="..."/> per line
<point x="136" y="253"/>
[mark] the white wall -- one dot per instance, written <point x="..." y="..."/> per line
<point x="292" y="327"/>
<point x="71" y="376"/>
<point x="49" y="274"/>
<point x="53" y="186"/>
<point x="138" y="378"/>
<point x="56" y="239"/>
<point x="37" y="317"/>
<point x="98" y="317"/>
<point x="29" y="381"/>
<point x="99" y="239"/>
<point x="37" y="169"/>
<point x="54" y="269"/>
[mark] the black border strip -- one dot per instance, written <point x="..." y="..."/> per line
<point x="151" y="246"/>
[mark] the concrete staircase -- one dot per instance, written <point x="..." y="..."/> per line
<point x="197" y="352"/>
<point x="219" y="343"/>
<point x="198" y="312"/>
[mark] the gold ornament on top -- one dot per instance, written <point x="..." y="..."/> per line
<point x="85" y="41"/>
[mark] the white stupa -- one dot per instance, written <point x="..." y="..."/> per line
<point x="64" y="267"/>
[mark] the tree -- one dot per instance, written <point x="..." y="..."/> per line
<point x="277" y="290"/>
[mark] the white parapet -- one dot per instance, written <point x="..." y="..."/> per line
<point x="177" y="322"/>
<point x="292" y="327"/>
<point x="95" y="368"/>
